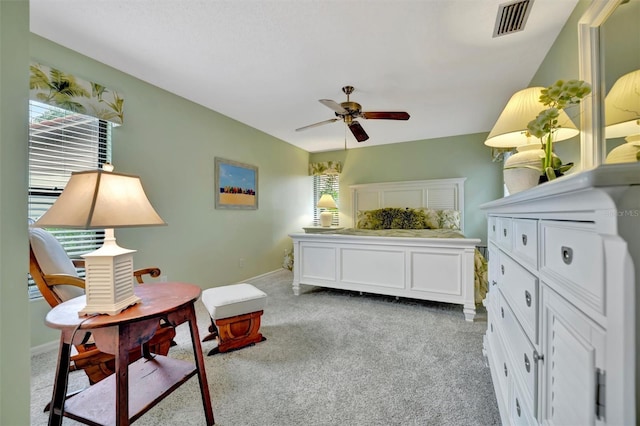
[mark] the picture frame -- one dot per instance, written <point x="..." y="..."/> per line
<point x="236" y="185"/>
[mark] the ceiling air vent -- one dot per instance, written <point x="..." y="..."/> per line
<point x="511" y="17"/>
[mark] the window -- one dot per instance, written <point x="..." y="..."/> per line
<point x="323" y="184"/>
<point x="62" y="142"/>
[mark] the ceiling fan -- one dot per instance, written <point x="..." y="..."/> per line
<point x="348" y="111"/>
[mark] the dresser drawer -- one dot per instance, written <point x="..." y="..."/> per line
<point x="520" y="412"/>
<point x="498" y="360"/>
<point x="494" y="266"/>
<point x="520" y="289"/>
<point x="573" y="256"/>
<point x="525" y="241"/>
<point x="492" y="234"/>
<point x="504" y="232"/>
<point x="521" y="354"/>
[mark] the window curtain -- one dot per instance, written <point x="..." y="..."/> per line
<point x="54" y="87"/>
<point x="325" y="168"/>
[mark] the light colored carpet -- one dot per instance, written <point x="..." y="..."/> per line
<point x="330" y="358"/>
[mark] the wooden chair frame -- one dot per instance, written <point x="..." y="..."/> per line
<point x="96" y="364"/>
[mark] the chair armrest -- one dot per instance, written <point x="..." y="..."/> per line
<point x="78" y="263"/>
<point x="153" y="272"/>
<point x="63" y="279"/>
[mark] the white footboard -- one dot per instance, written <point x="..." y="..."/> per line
<point x="435" y="269"/>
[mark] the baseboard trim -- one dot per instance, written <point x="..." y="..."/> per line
<point x="266" y="274"/>
<point x="45" y="348"/>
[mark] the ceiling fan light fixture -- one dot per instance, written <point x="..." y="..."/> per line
<point x="348" y="111"/>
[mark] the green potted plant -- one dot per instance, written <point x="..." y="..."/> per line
<point x="557" y="97"/>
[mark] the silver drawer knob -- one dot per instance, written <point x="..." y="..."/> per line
<point x="527" y="297"/>
<point x="518" y="407"/>
<point x="527" y="364"/>
<point x="504" y="231"/>
<point x="494" y="282"/>
<point x="524" y="239"/>
<point x="567" y="255"/>
<point x="502" y="269"/>
<point x="502" y="312"/>
<point x="506" y="373"/>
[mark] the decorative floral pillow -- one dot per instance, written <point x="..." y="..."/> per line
<point x="391" y="218"/>
<point x="408" y="218"/>
<point x="450" y="219"/>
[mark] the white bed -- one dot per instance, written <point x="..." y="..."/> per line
<point x="438" y="269"/>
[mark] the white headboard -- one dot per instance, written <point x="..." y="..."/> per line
<point x="434" y="193"/>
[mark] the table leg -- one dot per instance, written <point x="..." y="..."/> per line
<point x="122" y="376"/>
<point x="60" y="385"/>
<point x="202" y="377"/>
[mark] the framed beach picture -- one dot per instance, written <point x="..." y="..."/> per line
<point x="236" y="185"/>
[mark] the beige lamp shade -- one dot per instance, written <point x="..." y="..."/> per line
<point x="622" y="107"/>
<point x="101" y="199"/>
<point x="98" y="199"/>
<point x="511" y="128"/>
<point x="326" y="201"/>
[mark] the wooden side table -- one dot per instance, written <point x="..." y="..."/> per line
<point x="109" y="401"/>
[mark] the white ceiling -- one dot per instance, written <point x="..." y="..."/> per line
<point x="267" y="63"/>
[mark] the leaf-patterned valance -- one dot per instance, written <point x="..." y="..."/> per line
<point x="54" y="87"/>
<point x="325" y="168"/>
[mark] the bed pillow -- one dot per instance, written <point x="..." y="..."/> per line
<point x="450" y="219"/>
<point x="391" y="218"/>
<point x="432" y="218"/>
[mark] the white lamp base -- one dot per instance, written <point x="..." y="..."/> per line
<point x="109" y="279"/>
<point x="326" y="218"/>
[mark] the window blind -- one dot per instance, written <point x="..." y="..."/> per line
<point x="62" y="142"/>
<point x="325" y="184"/>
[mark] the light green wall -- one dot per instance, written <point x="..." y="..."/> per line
<point x="457" y="156"/>
<point x="171" y="144"/>
<point x="15" y="370"/>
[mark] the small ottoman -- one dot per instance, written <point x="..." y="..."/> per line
<point x="235" y="312"/>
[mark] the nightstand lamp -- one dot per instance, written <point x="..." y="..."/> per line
<point x="325" y="202"/>
<point x="101" y="199"/>
<point x="622" y="118"/>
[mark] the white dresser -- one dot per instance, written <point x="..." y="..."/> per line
<point x="562" y="334"/>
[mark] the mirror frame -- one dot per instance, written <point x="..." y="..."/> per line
<point x="591" y="70"/>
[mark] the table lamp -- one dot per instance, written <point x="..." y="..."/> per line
<point x="523" y="169"/>
<point x="510" y="130"/>
<point x="326" y="201"/>
<point x="622" y="118"/>
<point x="102" y="199"/>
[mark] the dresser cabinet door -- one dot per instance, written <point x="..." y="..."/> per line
<point x="573" y="348"/>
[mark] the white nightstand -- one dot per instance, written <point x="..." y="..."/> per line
<point x="321" y="229"/>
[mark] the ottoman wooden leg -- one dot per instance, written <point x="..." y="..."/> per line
<point x="238" y="332"/>
<point x="213" y="332"/>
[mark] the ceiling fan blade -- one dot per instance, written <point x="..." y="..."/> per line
<point x="358" y="131"/>
<point x="331" y="120"/>
<point x="333" y="105"/>
<point x="386" y="115"/>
